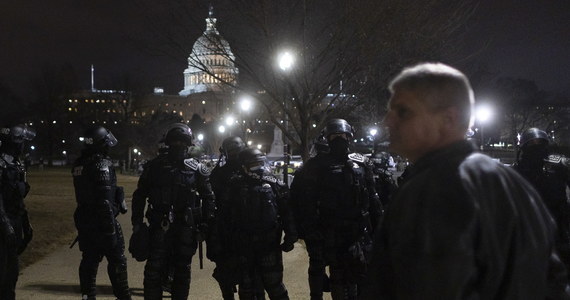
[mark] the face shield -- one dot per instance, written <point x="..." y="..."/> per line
<point x="110" y="139"/>
<point x="19" y="133"/>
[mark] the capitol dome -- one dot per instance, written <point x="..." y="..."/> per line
<point x="211" y="63"/>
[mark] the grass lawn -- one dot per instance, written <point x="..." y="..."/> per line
<point x="51" y="203"/>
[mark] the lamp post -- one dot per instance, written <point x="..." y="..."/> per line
<point x="286" y="60"/>
<point x="483" y="115"/>
<point x="245" y="106"/>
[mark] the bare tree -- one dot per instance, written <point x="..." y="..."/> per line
<point x="344" y="52"/>
<point x="524" y="105"/>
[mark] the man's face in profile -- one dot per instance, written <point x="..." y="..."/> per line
<point x="414" y="129"/>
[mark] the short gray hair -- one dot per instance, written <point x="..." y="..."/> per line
<point x="440" y="86"/>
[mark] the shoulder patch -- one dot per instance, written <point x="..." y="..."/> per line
<point x="554" y="158"/>
<point x="194" y="165"/>
<point x="272" y="179"/>
<point x="357" y="157"/>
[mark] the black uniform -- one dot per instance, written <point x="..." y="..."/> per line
<point x="340" y="220"/>
<point x="252" y="218"/>
<point x="99" y="201"/>
<point x="16" y="231"/>
<point x="384" y="184"/>
<point x="303" y="211"/>
<point x="221" y="254"/>
<point x="551" y="181"/>
<point x="181" y="202"/>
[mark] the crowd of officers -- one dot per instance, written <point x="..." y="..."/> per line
<point x="248" y="218"/>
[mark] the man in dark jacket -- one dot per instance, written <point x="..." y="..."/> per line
<point x="461" y="226"/>
<point x="15" y="229"/>
<point x="549" y="175"/>
<point x="180" y="207"/>
<point x="99" y="201"/>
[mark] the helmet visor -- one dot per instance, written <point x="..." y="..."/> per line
<point x="111" y="140"/>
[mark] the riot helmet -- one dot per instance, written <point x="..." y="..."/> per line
<point x="381" y="160"/>
<point x="533" y="136"/>
<point x="178" y="132"/>
<point x="338" y="126"/>
<point x="99" y="137"/>
<point x="17" y="134"/>
<point x="333" y="132"/>
<point x="253" y="161"/>
<point x="533" y="148"/>
<point x="12" y="138"/>
<point x="231" y="147"/>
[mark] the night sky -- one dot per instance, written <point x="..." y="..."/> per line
<point x="528" y="39"/>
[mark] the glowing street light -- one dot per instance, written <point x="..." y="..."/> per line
<point x="230" y="120"/>
<point x="222" y="129"/>
<point x="245" y="104"/>
<point x="483" y="114"/>
<point x="285" y="60"/>
<point x="200" y="137"/>
<point x="135" y="150"/>
<point x="373" y="131"/>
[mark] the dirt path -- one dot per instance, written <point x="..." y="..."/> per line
<point x="56" y="276"/>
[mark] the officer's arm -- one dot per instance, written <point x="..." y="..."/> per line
<point x="309" y="206"/>
<point x="104" y="193"/>
<point x="6" y="228"/>
<point x="206" y="194"/>
<point x="285" y="213"/>
<point x="140" y="196"/>
<point x="375" y="208"/>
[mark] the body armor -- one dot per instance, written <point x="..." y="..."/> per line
<point x="99" y="201"/>
<point x="253" y="217"/>
<point x="180" y="203"/>
<point x="15" y="228"/>
<point x="341" y="211"/>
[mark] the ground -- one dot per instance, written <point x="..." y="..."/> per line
<point x="51" y="268"/>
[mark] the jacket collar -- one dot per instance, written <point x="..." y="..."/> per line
<point x="461" y="148"/>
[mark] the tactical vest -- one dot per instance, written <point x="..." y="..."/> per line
<point x="173" y="195"/>
<point x="14" y="186"/>
<point x="255" y="208"/>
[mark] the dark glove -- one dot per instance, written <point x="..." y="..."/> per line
<point x="139" y="242"/>
<point x="202" y="232"/>
<point x="28" y="233"/>
<point x="288" y="243"/>
<point x="8" y="235"/>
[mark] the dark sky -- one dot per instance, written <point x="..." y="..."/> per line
<point x="528" y="39"/>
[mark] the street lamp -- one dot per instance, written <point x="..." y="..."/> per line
<point x="483" y="114"/>
<point x="200" y="137"/>
<point x="222" y="129"/>
<point x="285" y="60"/>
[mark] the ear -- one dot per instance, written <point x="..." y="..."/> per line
<point x="449" y="118"/>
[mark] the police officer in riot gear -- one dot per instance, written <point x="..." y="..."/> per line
<point x="180" y="207"/>
<point x="383" y="177"/>
<point x="223" y="273"/>
<point x="342" y="209"/>
<point x="549" y="174"/>
<point x="318" y="279"/>
<point x="99" y="201"/>
<point x="15" y="229"/>
<point x="253" y="216"/>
